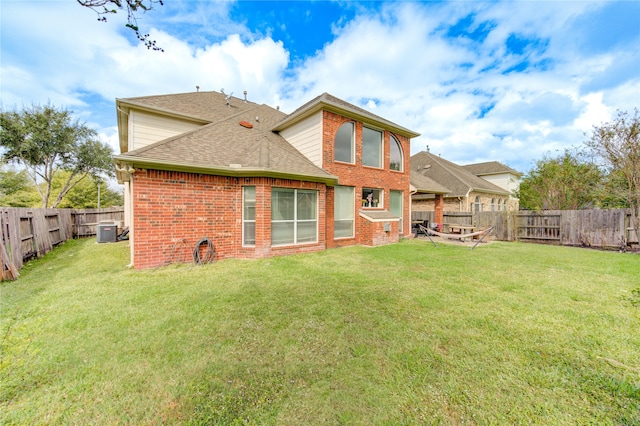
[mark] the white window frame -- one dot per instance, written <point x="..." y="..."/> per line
<point x="351" y="211"/>
<point x="399" y="146"/>
<point x="352" y="143"/>
<point x="365" y="202"/>
<point x="379" y="165"/>
<point x="245" y="220"/>
<point x="295" y="221"/>
<point x="400" y="227"/>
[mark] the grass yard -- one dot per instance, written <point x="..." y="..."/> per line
<point x="403" y="334"/>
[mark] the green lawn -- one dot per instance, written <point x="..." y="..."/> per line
<point x="402" y="334"/>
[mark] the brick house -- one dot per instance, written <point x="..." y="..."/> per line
<point x="255" y="181"/>
<point x="472" y="188"/>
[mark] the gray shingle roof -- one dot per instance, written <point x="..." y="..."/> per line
<point x="203" y="106"/>
<point x="227" y="147"/>
<point x="458" y="179"/>
<point x="490" y="168"/>
<point x="424" y="184"/>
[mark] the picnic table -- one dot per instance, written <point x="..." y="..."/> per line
<point x="453" y="228"/>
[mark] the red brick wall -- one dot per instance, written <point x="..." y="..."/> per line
<point x="360" y="176"/>
<point x="373" y="233"/>
<point x="173" y="210"/>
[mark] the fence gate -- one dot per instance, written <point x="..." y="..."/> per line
<point x="29" y="248"/>
<point x="53" y="227"/>
<point x="538" y="227"/>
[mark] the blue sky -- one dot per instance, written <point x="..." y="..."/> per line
<point x="481" y="81"/>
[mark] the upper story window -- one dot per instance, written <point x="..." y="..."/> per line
<point x="371" y="147"/>
<point x="395" y="162"/>
<point x="343" y="146"/>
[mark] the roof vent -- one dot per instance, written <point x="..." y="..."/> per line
<point x="246" y="124"/>
<point x="245" y="95"/>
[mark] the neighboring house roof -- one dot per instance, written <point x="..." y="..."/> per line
<point x="426" y="185"/>
<point x="228" y="148"/>
<point x="333" y="104"/>
<point x="457" y="178"/>
<point x="490" y="168"/>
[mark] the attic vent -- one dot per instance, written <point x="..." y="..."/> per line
<point x="246" y="124"/>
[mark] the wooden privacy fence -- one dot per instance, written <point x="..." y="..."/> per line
<point x="608" y="229"/>
<point x="589" y="228"/>
<point x="28" y="233"/>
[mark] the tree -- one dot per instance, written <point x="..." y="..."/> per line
<point x="617" y="145"/>
<point x="107" y="7"/>
<point x="46" y="141"/>
<point x="16" y="189"/>
<point x="563" y="183"/>
<point x="84" y="195"/>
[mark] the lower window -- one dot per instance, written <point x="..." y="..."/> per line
<point x="249" y="216"/>
<point x="372" y="197"/>
<point x="343" y="212"/>
<point x="395" y="206"/>
<point x="294" y="216"/>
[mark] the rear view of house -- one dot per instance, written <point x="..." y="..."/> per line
<point x="255" y="181"/>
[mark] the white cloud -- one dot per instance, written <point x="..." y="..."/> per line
<point x="398" y="61"/>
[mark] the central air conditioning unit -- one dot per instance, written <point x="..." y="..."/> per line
<point x="107" y="233"/>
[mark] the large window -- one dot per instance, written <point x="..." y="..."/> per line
<point x="395" y="206"/>
<point x="395" y="148"/>
<point x="372" y="197"/>
<point x="294" y="216"/>
<point x="343" y="211"/>
<point x="371" y="147"/>
<point x="343" y="146"/>
<point x="249" y="216"/>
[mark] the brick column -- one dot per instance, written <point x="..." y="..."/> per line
<point x="439" y="211"/>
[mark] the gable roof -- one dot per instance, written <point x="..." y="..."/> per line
<point x="199" y="106"/>
<point x="229" y="148"/>
<point x="490" y="168"/>
<point x="426" y="185"/>
<point x="331" y="103"/>
<point x="458" y="179"/>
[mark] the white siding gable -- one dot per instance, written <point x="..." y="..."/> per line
<point x="306" y="137"/>
<point x="506" y="181"/>
<point x="146" y="128"/>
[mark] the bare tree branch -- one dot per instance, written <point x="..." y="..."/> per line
<point x="108" y="7"/>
